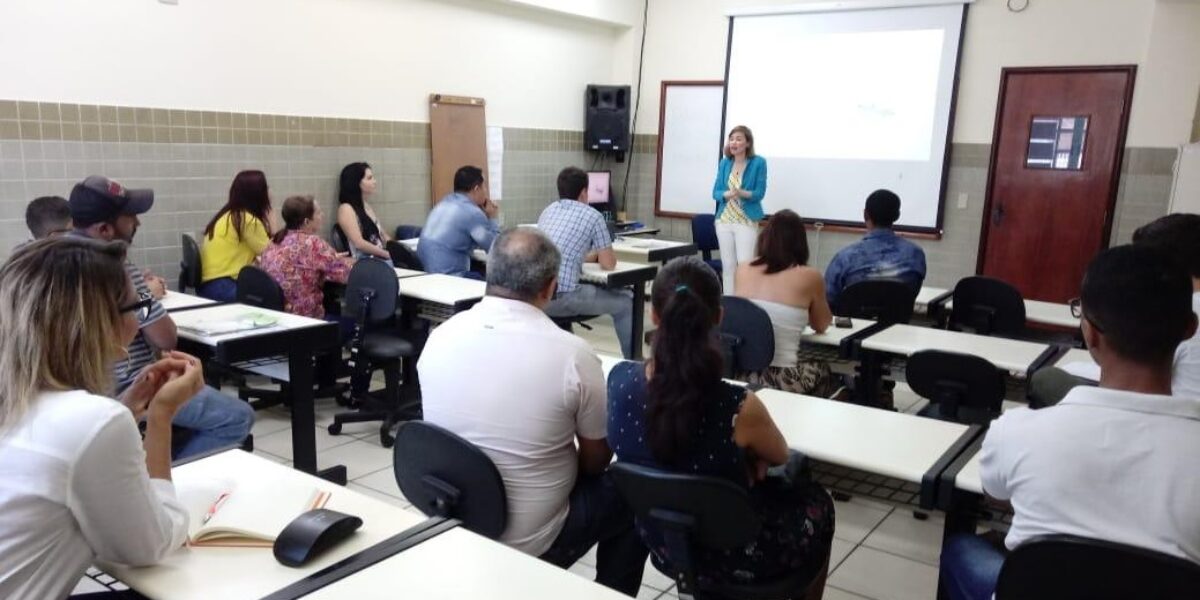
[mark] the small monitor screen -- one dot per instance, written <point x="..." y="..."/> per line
<point x="598" y="187"/>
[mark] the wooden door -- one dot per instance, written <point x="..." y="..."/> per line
<point x="457" y="138"/>
<point x="1056" y="159"/>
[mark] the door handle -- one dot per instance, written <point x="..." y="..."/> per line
<point x="997" y="214"/>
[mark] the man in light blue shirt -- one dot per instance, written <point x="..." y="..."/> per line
<point x="880" y="254"/>
<point x="580" y="234"/>
<point x="461" y="222"/>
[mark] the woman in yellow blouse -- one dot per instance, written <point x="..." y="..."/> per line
<point x="236" y="236"/>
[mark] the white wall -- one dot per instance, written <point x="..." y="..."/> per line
<point x="687" y="41"/>
<point x="376" y="59"/>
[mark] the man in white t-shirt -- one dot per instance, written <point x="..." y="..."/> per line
<point x="1114" y="462"/>
<point x="504" y="377"/>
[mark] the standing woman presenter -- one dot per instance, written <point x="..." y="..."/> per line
<point x="738" y="190"/>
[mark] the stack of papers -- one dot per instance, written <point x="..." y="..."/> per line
<point x="243" y="322"/>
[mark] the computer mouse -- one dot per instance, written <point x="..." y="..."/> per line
<point x="311" y="534"/>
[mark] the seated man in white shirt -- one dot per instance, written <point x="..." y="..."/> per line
<point x="1114" y="462"/>
<point x="541" y="392"/>
<point x="1178" y="235"/>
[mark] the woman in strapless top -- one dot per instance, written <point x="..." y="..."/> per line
<point x="792" y="293"/>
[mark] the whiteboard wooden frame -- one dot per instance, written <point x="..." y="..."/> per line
<point x="662" y="120"/>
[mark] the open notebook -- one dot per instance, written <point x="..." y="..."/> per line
<point x="252" y="513"/>
<point x="243" y="322"/>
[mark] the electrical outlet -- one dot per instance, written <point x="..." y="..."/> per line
<point x="962" y="200"/>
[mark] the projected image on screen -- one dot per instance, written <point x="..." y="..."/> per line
<point x="843" y="103"/>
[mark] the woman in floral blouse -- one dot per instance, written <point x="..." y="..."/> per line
<point x="300" y="261"/>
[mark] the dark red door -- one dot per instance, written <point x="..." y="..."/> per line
<point x="1056" y="157"/>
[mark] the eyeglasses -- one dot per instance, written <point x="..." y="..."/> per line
<point x="141" y="308"/>
<point x="1076" y="305"/>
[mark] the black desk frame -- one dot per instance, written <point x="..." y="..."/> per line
<point x="300" y="345"/>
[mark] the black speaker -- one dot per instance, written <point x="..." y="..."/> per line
<point x="606" y="118"/>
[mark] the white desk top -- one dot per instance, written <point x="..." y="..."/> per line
<point x="833" y="336"/>
<point x="968" y="477"/>
<point x="442" y="289"/>
<point x="926" y="294"/>
<point x="1036" y="311"/>
<point x="592" y="272"/>
<point x="1050" y="313"/>
<point x="1011" y="355"/>
<point x="460" y="564"/>
<point x="177" y="300"/>
<point x="878" y="441"/>
<point x="1079" y="362"/>
<point x="212" y="572"/>
<point x="477" y="254"/>
<point x="643" y="246"/>
<point x="607" y="362"/>
<point x="403" y="273"/>
<point x="232" y="312"/>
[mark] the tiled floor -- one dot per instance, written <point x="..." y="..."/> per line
<point x="880" y="551"/>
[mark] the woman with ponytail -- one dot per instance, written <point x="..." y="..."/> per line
<point x="300" y="261"/>
<point x="676" y="413"/>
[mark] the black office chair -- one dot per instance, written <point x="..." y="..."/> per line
<point x="747" y="337"/>
<point x="256" y="288"/>
<point x="697" y="513"/>
<point x="338" y="239"/>
<point x="408" y="232"/>
<point x="371" y="299"/>
<point x="987" y="306"/>
<point x="704" y="236"/>
<point x="960" y="387"/>
<point x="446" y="476"/>
<point x="883" y="300"/>
<point x="1063" y="567"/>
<point x="189" y="266"/>
<point x="403" y="257"/>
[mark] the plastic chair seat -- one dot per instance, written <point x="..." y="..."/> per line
<point x="385" y="346"/>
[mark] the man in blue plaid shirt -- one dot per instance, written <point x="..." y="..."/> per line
<point x="581" y="236"/>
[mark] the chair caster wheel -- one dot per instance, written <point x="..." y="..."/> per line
<point x="335" y="428"/>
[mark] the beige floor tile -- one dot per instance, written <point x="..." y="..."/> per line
<point x="901" y="534"/>
<point x="832" y="593"/>
<point x="360" y="458"/>
<point x="854" y="521"/>
<point x="280" y="442"/>
<point x="882" y="576"/>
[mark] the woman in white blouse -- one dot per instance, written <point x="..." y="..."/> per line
<point x="77" y="482"/>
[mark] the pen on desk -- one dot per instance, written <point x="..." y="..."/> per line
<point x="213" y="510"/>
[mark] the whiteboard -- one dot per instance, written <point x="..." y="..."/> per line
<point x="1185" y="194"/>
<point x="689" y="146"/>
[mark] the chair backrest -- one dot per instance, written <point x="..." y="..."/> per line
<point x="1062" y="567"/>
<point x="691" y="511"/>
<point x="256" y="288"/>
<point x="704" y="234"/>
<point x="338" y="239"/>
<point x="969" y="388"/>
<point x="747" y="333"/>
<point x="987" y="306"/>
<point x="371" y="291"/>
<point x="404" y="258"/>
<point x="408" y="232"/>
<point x="883" y="300"/>
<point x="444" y="475"/>
<point x="189" y="267"/>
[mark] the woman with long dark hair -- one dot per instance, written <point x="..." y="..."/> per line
<point x="238" y="233"/>
<point x="792" y="293"/>
<point x="738" y="191"/>
<point x="676" y="413"/>
<point x="355" y="216"/>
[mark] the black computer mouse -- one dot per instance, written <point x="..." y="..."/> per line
<point x="312" y="533"/>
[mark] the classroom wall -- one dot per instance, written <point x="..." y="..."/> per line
<point x="687" y="40"/>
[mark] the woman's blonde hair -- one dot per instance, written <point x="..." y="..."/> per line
<point x="60" y="318"/>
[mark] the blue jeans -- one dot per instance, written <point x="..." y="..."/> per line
<point x="214" y="420"/>
<point x="223" y="289"/>
<point x="592" y="300"/>
<point x="598" y="515"/>
<point x="970" y="567"/>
